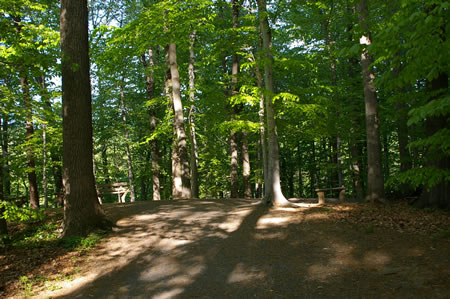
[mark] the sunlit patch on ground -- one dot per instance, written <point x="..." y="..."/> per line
<point x="244" y="274"/>
<point x="232" y="249"/>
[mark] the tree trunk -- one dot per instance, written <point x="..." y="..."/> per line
<point x="312" y="169"/>
<point x="192" y="135"/>
<point x="127" y="142"/>
<point x="375" y="183"/>
<point x="437" y="195"/>
<point x="3" y="224"/>
<point x="150" y="87"/>
<point x="262" y="128"/>
<point x="105" y="163"/>
<point x="234" y="178"/>
<point x="273" y="194"/>
<point x="246" y="166"/>
<point x="5" y="166"/>
<point x="299" y="169"/>
<point x="82" y="211"/>
<point x="31" y="164"/>
<point x="44" y="165"/>
<point x="179" y="122"/>
<point x="29" y="128"/>
<point x="386" y="168"/>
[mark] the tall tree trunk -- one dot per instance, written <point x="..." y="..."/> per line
<point x="375" y="182"/>
<point x="273" y="194"/>
<point x="234" y="178"/>
<point x="29" y="127"/>
<point x="105" y="163"/>
<point x="127" y="142"/>
<point x="356" y="119"/>
<point x="192" y="136"/>
<point x="246" y="166"/>
<point x="177" y="184"/>
<point x="312" y="169"/>
<point x="5" y="166"/>
<point x="44" y="165"/>
<point x="299" y="169"/>
<point x="150" y="87"/>
<point x="437" y="195"/>
<point x="82" y="211"/>
<point x="262" y="128"/>
<point x="386" y="168"/>
<point x="3" y="224"/>
<point x="335" y="144"/>
<point x="55" y="154"/>
<point x="179" y="122"/>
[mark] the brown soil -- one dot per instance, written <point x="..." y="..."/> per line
<point x="235" y="249"/>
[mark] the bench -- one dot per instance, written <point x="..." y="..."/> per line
<point x="121" y="189"/>
<point x="321" y="193"/>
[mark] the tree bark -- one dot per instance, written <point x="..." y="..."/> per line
<point x="262" y="128"/>
<point x="234" y="178"/>
<point x="29" y="127"/>
<point x="246" y="166"/>
<point x="150" y="87"/>
<point x="127" y="142"/>
<point x="375" y="182"/>
<point x="312" y="169"/>
<point x="437" y="195"/>
<point x="299" y="169"/>
<point x="82" y="211"/>
<point x="3" y="224"/>
<point x="44" y="165"/>
<point x="179" y="122"/>
<point x="5" y="166"/>
<point x="192" y="130"/>
<point x="273" y="194"/>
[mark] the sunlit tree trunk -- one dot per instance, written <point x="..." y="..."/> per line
<point x="375" y="182"/>
<point x="179" y="122"/>
<point x="273" y="194"/>
<point x="246" y="166"/>
<point x="127" y="142"/>
<point x="82" y="211"/>
<point x="191" y="119"/>
<point x="44" y="165"/>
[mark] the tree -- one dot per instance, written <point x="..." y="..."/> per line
<point x="82" y="212"/>
<point x="273" y="194"/>
<point x="181" y="142"/>
<point x="375" y="182"/>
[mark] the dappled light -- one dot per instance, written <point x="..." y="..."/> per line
<point x="232" y="248"/>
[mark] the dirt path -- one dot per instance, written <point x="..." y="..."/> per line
<point x="232" y="249"/>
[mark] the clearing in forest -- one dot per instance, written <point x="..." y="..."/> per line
<point x="235" y="249"/>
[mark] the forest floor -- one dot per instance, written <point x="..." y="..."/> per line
<point x="236" y="249"/>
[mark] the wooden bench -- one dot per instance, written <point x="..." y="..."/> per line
<point x="321" y="193"/>
<point x="121" y="189"/>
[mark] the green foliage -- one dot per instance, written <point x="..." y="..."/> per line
<point x="13" y="213"/>
<point x="27" y="286"/>
<point x="83" y="243"/>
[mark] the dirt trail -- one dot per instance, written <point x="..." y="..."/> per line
<point x="233" y="249"/>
